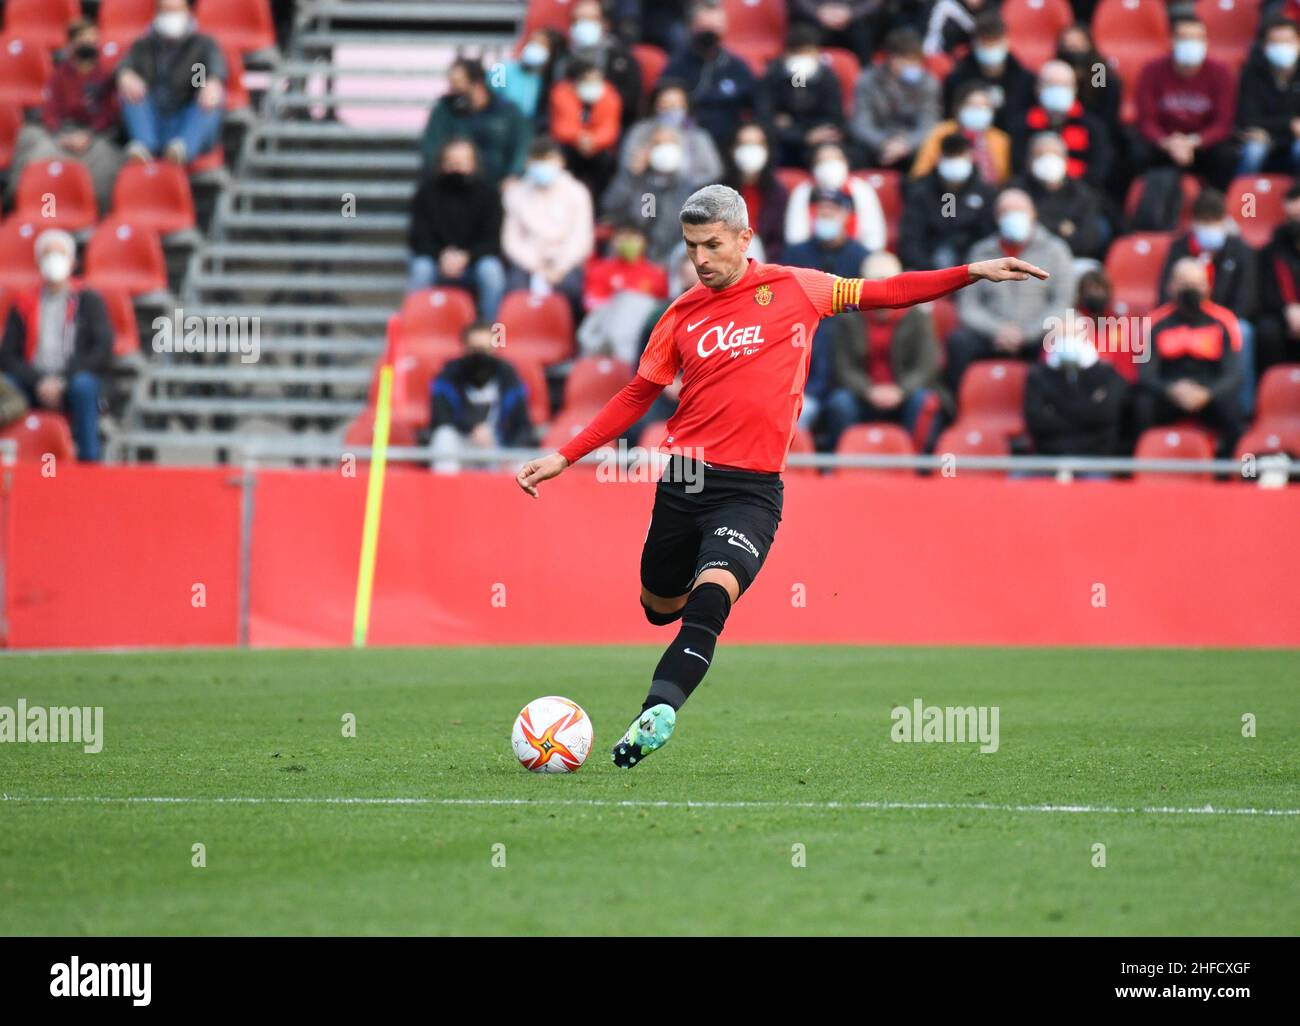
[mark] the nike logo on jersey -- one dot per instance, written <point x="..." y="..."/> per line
<point x="692" y="327"/>
<point x="697" y="656"/>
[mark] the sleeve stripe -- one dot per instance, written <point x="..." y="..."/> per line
<point x="847" y="294"/>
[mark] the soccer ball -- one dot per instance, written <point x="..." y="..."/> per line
<point x="552" y="735"/>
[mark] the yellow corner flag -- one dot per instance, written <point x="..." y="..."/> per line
<point x="375" y="489"/>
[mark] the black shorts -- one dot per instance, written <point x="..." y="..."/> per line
<point x="708" y="517"/>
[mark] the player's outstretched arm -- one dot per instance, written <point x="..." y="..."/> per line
<point x="534" y="472"/>
<point x="1005" y="269"/>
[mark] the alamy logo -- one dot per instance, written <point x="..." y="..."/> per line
<point x="952" y="724"/>
<point x="81" y="725"/>
<point x="102" y="979"/>
<point x="745" y="340"/>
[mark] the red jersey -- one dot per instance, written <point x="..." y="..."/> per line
<point x="743" y="354"/>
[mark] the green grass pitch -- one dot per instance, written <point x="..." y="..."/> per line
<point x="773" y="739"/>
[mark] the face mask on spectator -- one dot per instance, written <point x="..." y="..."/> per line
<point x="955" y="169"/>
<point x="831" y="174"/>
<point x="172" y="24"/>
<point x="1210" y="237"/>
<point x="86" y="51"/>
<point x="55" y="267"/>
<point x="750" y="158"/>
<point x="1093" y="303"/>
<point x="803" y="65"/>
<point x="1281" y="55"/>
<point x="1188" y="298"/>
<point x="911" y="73"/>
<point x="991" y="56"/>
<point x="975" y="119"/>
<point x="629" y="247"/>
<point x="1056" y="98"/>
<point x="1048" y="167"/>
<point x="542" y="172"/>
<point x="1015" y="225"/>
<point x="827" y="229"/>
<point x="586" y="33"/>
<point x="535" y="55"/>
<point x="666" y="158"/>
<point x="705" y="41"/>
<point x="1189" y="52"/>
<point x="590" y="92"/>
<point x="676" y="117"/>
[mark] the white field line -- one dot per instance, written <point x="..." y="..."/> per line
<point x="1201" y="810"/>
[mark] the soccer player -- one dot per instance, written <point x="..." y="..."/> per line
<point x="741" y="339"/>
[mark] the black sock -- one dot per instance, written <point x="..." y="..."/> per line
<point x="687" y="659"/>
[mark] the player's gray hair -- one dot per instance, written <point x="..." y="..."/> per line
<point x="716" y="203"/>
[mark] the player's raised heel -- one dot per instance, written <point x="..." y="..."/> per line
<point x="648" y="733"/>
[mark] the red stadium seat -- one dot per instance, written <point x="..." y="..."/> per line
<point x="433" y="318"/>
<point x="1173" y="442"/>
<point x="121" y="314"/>
<point x="44" y="22"/>
<point x="243" y="25"/>
<point x="1268" y="441"/>
<point x="554" y="14"/>
<point x="991" y="397"/>
<point x="755" y="30"/>
<point x="568" y="424"/>
<point x="237" y="97"/>
<point x="361" y="432"/>
<point x="791" y="177"/>
<point x="533" y="378"/>
<point x="943" y="315"/>
<point x="1032" y="28"/>
<point x="205" y="163"/>
<point x="1231" y="27"/>
<point x="11" y="123"/>
<point x="40" y="434"/>
<point x="801" y="443"/>
<point x="154" y="195"/>
<point x="540" y="326"/>
<point x="1130" y="33"/>
<point x="125" y="19"/>
<point x="122" y="256"/>
<point x="846" y="67"/>
<point x="1191" y="189"/>
<point x="18" y="253"/>
<point x="877" y="439"/>
<point x="59" y="194"/>
<point x="24" y="70"/>
<point x="1278" y="397"/>
<point x="593" y="381"/>
<point x="652" y="61"/>
<point x="889" y="190"/>
<point x="1255" y="203"/>
<point x="959" y="441"/>
<point x="413" y="375"/>
<point x="1133" y="265"/>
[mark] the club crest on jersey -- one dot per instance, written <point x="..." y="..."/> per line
<point x="763" y="295"/>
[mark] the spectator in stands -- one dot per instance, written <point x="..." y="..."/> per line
<point x="172" y="82"/>
<point x="1278" y="328"/>
<point x="591" y="40"/>
<point x="946" y="211"/>
<point x="1268" y="106"/>
<point x="1186" y="103"/>
<point x="478" y="403"/>
<point x="78" y="119"/>
<point x="830" y="173"/>
<point x="651" y="189"/>
<point x="1118" y="340"/>
<point x="799" y="100"/>
<point x="1074" y="400"/>
<point x="455" y="229"/>
<point x="58" y="342"/>
<point x="852" y="25"/>
<point x="527" y="77"/>
<point x="995" y="324"/>
<point x="1101" y="91"/>
<point x="720" y="84"/>
<point x="951" y="24"/>
<point x="990" y="60"/>
<point x="663" y="23"/>
<point x="1068" y="207"/>
<point x="620" y="292"/>
<point x="831" y="248"/>
<point x="1231" y="271"/>
<point x="13" y="404"/>
<point x="1058" y="110"/>
<point x="1194" y="370"/>
<point x="586" y="119"/>
<point x="548" y="231"/>
<point x="990" y="147"/>
<point x="470" y="110"/>
<point x="886" y="367"/>
<point x="896" y="104"/>
<point x="670" y="105"/>
<point x="748" y="170"/>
